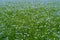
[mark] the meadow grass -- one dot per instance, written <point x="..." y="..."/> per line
<point x="42" y="23"/>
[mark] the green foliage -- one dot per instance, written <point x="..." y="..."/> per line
<point x="41" y="23"/>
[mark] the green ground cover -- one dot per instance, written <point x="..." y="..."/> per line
<point x="42" y="23"/>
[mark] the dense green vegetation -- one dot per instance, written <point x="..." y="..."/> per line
<point x="41" y="23"/>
